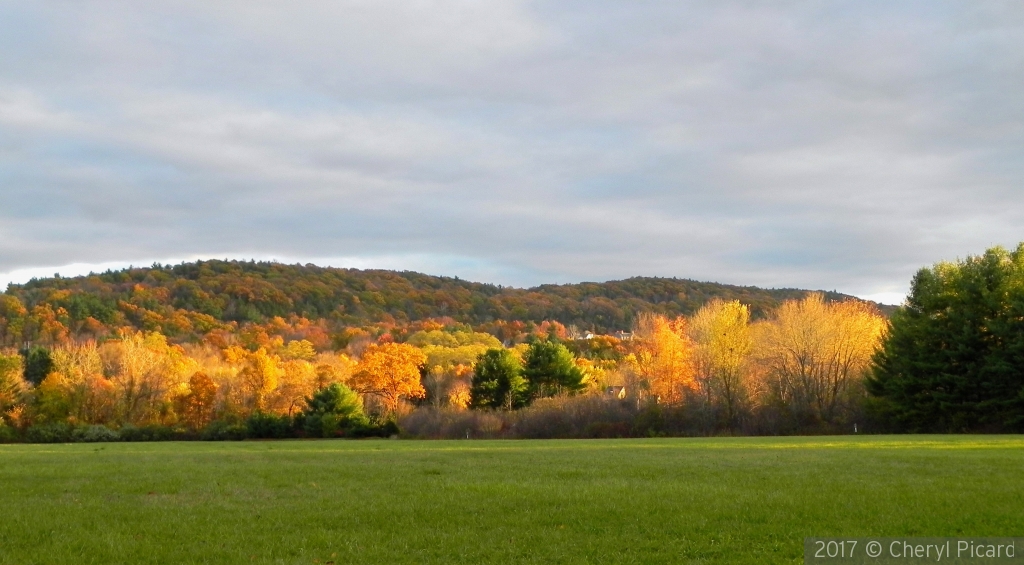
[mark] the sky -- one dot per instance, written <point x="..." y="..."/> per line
<point x="823" y="145"/>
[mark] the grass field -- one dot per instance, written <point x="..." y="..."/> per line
<point x="749" y="500"/>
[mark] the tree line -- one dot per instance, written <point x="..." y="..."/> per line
<point x="804" y="362"/>
<point x="951" y="359"/>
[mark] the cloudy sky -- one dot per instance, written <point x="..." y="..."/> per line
<point x="831" y="145"/>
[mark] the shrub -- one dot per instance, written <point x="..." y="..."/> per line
<point x="219" y="430"/>
<point x="8" y="434"/>
<point x="387" y="429"/>
<point x="95" y="433"/>
<point x="149" y="433"/>
<point x="261" y="425"/>
<point x="443" y="423"/>
<point x="57" y="432"/>
<point x="575" y="417"/>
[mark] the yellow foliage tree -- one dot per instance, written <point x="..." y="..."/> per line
<point x="51" y="323"/>
<point x="53" y="399"/>
<point x="333" y="368"/>
<point x="390" y="371"/>
<point x="813" y="352"/>
<point x="93" y="397"/>
<point x="721" y="333"/>
<point x="145" y="372"/>
<point x="300" y="349"/>
<point x="11" y="383"/>
<point x="298" y="380"/>
<point x="459" y="395"/>
<point x="259" y="377"/>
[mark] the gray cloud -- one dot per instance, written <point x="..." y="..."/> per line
<point x="837" y="145"/>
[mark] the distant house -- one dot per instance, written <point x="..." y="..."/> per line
<point x="624" y="336"/>
<point x="615" y="391"/>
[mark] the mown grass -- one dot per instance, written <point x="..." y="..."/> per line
<point x="749" y="500"/>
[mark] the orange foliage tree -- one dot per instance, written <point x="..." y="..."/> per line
<point x="392" y="372"/>
<point x="13" y="315"/>
<point x="663" y="357"/>
<point x="298" y="380"/>
<point x="197" y="406"/>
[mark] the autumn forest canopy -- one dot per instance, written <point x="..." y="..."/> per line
<point x="227" y="350"/>
<point x="188" y="301"/>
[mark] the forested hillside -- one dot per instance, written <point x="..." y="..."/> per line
<point x="191" y="300"/>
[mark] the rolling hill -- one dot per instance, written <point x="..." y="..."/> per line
<point x="191" y="298"/>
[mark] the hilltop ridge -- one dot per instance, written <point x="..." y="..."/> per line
<point x="193" y="298"/>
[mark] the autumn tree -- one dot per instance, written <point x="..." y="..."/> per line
<point x="448" y="349"/>
<point x="260" y="377"/>
<point x="302" y="350"/>
<point x="50" y="323"/>
<point x="598" y="347"/>
<point x="435" y="380"/>
<point x="814" y="353"/>
<point x="298" y="379"/>
<point x="52" y="402"/>
<point x="450" y="358"/>
<point x="146" y="370"/>
<point x="333" y="368"/>
<point x="390" y="371"/>
<point x="11" y="384"/>
<point x="92" y="395"/>
<point x="76" y="361"/>
<point x="722" y="342"/>
<point x="663" y="357"/>
<point x="135" y="375"/>
<point x="447" y="384"/>
<point x="498" y="381"/>
<point x="13" y="316"/>
<point x="197" y="405"/>
<point x="460" y="394"/>
<point x="551" y="330"/>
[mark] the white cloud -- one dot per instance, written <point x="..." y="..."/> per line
<point x="826" y="146"/>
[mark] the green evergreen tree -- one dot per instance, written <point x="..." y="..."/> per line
<point x="551" y="369"/>
<point x="953" y="359"/>
<point x="498" y="381"/>
<point x="38" y="364"/>
<point x="331" y="411"/>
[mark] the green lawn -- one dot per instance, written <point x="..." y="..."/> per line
<point x="749" y="500"/>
